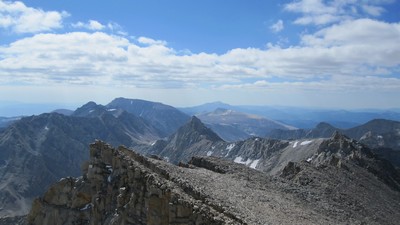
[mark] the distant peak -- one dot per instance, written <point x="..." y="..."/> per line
<point x="380" y="122"/>
<point x="217" y="103"/>
<point x="324" y="125"/>
<point x="90" y="104"/>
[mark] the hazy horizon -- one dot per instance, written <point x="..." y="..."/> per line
<point x="12" y="109"/>
<point x="300" y="53"/>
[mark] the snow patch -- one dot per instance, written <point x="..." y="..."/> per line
<point x="111" y="110"/>
<point x="379" y="136"/>
<point x="239" y="160"/>
<point x="90" y="111"/>
<point x="309" y="159"/>
<point x="305" y="142"/>
<point x="230" y="147"/>
<point x="87" y="206"/>
<point x="254" y="163"/>
<point x="109" y="168"/>
<point x="295" y="144"/>
<point x="227" y="112"/>
<point x="46" y="128"/>
<point x="209" y="153"/>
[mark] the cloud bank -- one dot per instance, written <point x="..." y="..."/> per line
<point x="351" y="51"/>
<point x="347" y="54"/>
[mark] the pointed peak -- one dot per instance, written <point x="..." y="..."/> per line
<point x="194" y="119"/>
<point x="338" y="136"/>
<point x="196" y="123"/>
<point x="195" y="126"/>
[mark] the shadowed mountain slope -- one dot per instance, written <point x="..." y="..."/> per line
<point x="166" y="118"/>
<point x="38" y="150"/>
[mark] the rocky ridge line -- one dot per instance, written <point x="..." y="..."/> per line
<point x="132" y="187"/>
<point x="122" y="187"/>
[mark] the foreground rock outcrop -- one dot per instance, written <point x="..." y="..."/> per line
<point x="121" y="187"/>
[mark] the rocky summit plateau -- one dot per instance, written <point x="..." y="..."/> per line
<point x="346" y="184"/>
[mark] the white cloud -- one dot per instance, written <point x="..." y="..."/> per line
<point x="90" y="25"/>
<point x="19" y="18"/>
<point x="94" y="25"/>
<point x="277" y="27"/>
<point x="331" y="59"/>
<point x="149" y="41"/>
<point x="319" y="12"/>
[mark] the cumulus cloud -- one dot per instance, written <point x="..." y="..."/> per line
<point x="90" y="25"/>
<point x="18" y="18"/>
<point x="331" y="58"/>
<point x="320" y="12"/>
<point x="149" y="41"/>
<point x="277" y="27"/>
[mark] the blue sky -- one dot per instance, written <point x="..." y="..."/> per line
<point x="310" y="53"/>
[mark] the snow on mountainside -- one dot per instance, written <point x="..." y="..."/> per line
<point x="268" y="155"/>
<point x="35" y="151"/>
<point x="342" y="184"/>
<point x="382" y="136"/>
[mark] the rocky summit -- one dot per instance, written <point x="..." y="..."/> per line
<point x="342" y="184"/>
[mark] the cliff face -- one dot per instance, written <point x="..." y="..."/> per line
<point x="121" y="187"/>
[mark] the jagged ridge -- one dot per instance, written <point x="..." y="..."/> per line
<point x="122" y="187"/>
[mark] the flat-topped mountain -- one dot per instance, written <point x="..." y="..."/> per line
<point x="166" y="118"/>
<point x="232" y="125"/>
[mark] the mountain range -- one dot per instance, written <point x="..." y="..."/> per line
<point x="382" y="136"/>
<point x="342" y="182"/>
<point x="36" y="151"/>
<point x="305" y="118"/>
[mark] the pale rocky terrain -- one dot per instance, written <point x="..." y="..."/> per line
<point x="343" y="183"/>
